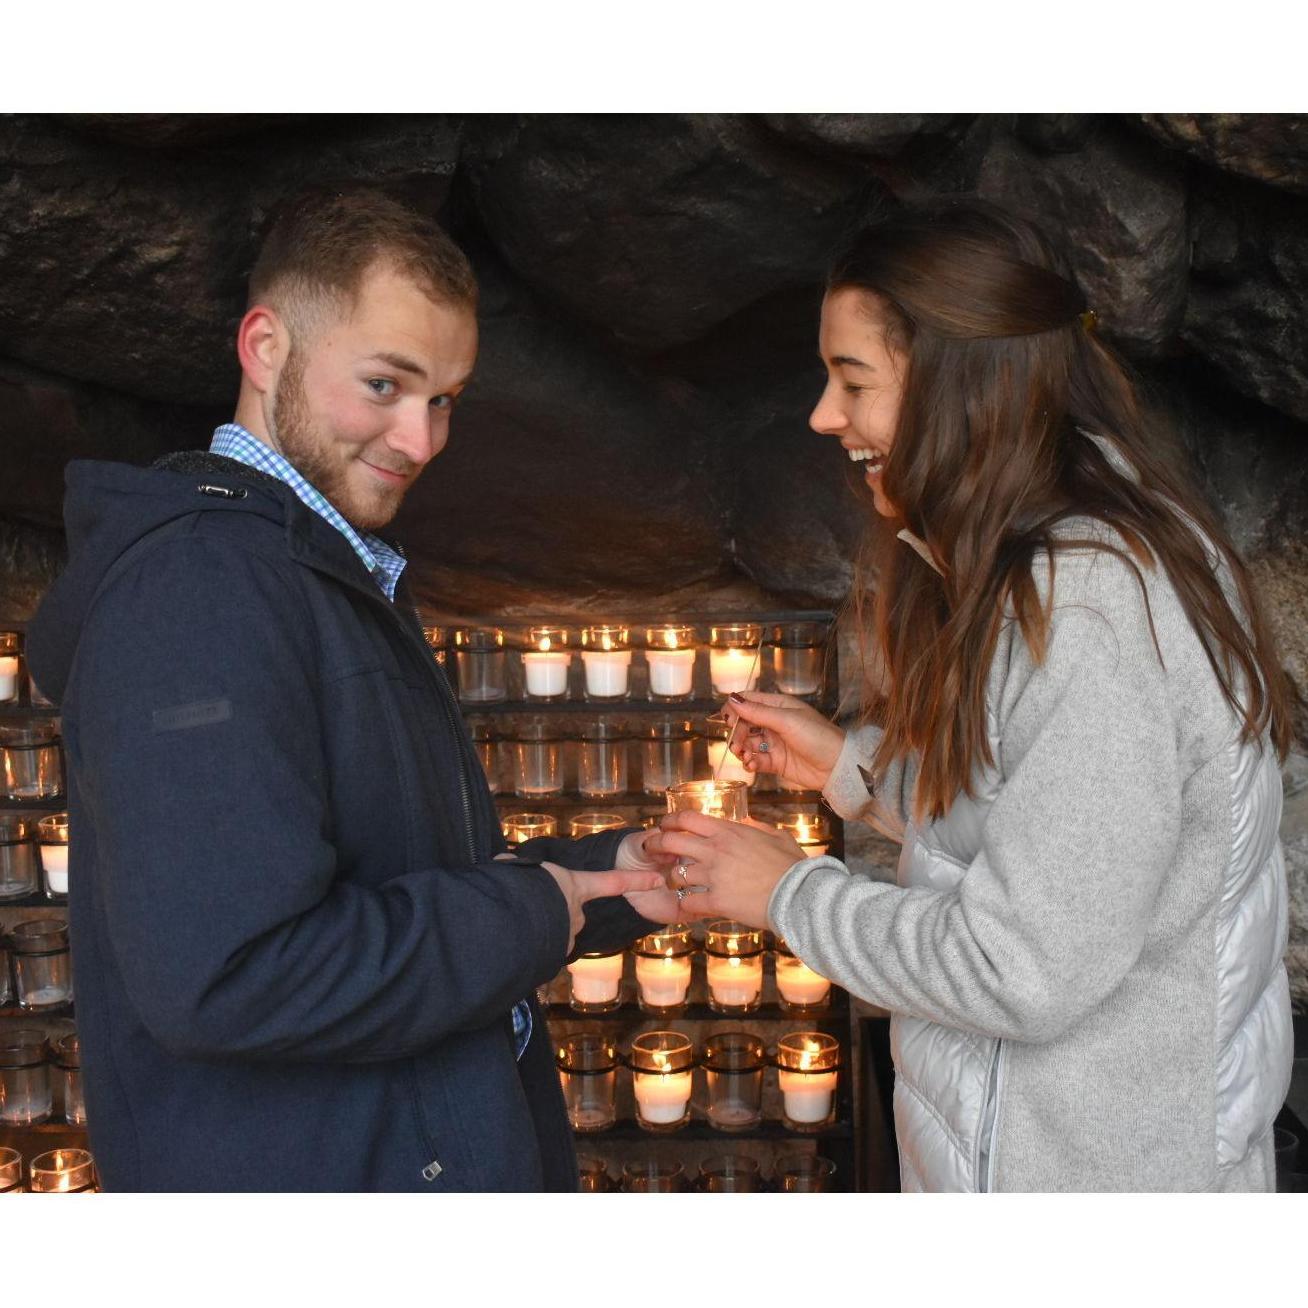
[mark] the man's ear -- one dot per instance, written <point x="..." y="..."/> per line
<point x="262" y="344"/>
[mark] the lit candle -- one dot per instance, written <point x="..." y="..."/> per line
<point x="521" y="827"/>
<point x="797" y="983"/>
<point x="663" y="961"/>
<point x="606" y="657"/>
<point x="733" y="657"/>
<point x="662" y="1077"/>
<point x="8" y="677"/>
<point x="806" y="1073"/>
<point x="723" y="799"/>
<point x="670" y="653"/>
<point x="734" y="964"/>
<point x="596" y="979"/>
<point x="726" y="766"/>
<point x="589" y="824"/>
<point x="63" y="1171"/>
<point x="52" y="835"/>
<point x="545" y="663"/>
<point x="809" y="832"/>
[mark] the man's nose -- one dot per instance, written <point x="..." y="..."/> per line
<point x="413" y="437"/>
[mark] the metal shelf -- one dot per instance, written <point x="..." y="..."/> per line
<point x="628" y="1130"/>
<point x="39" y="1014"/>
<point x="37" y="900"/>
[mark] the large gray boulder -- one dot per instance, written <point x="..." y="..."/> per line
<point x="1270" y="148"/>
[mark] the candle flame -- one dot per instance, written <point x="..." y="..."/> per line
<point x="544" y="644"/>
<point x="606" y="642"/>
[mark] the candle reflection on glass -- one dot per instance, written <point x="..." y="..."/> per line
<point x="670" y="653"/>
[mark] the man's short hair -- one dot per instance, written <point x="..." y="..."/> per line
<point x="321" y="242"/>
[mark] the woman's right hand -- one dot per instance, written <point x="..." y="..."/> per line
<point x="786" y="736"/>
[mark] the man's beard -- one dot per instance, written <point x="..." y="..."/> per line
<point x="311" y="455"/>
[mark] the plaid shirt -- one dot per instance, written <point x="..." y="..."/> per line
<point x="384" y="565"/>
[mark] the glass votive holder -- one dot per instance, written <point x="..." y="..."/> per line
<point x="804" y="1174"/>
<point x="6" y="976"/>
<point x="809" y="831"/>
<point x="538" y="759"/>
<point x="733" y="954"/>
<point x="43" y="976"/>
<point x="66" y="1055"/>
<point x="654" y="1176"/>
<point x="11" y="1171"/>
<point x="799" y="988"/>
<point x="662" y="1075"/>
<point x="734" y="657"/>
<point x="518" y="828"/>
<point x="667" y="756"/>
<point x="722" y="762"/>
<point x="52" y="839"/>
<point x="25" y="1094"/>
<point x="588" y="1072"/>
<point x="606" y="661"/>
<point x="486" y="741"/>
<point x="593" y="1174"/>
<point x="63" y="1171"/>
<point x="807" y="1063"/>
<point x="10" y="661"/>
<point x="663" y="966"/>
<point x="590" y="824"/>
<point x="30" y="763"/>
<point x="797" y="649"/>
<point x="20" y="864"/>
<point x="730" y="1174"/>
<point x="479" y="658"/>
<point x="602" y="760"/>
<point x="545" y="659"/>
<point x="437" y="639"/>
<point x="734" y="1063"/>
<point x="723" y="799"/>
<point x="670" y="654"/>
<point x="595" y="982"/>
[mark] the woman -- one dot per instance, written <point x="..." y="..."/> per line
<point x="1073" y="728"/>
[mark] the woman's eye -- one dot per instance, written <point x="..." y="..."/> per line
<point x="381" y="386"/>
<point x="443" y="402"/>
<point x="851" y="389"/>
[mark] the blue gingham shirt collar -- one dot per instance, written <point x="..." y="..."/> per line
<point x="384" y="564"/>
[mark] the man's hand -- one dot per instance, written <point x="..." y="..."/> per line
<point x="579" y="888"/>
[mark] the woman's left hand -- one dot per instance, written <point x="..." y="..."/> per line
<point x="739" y="862"/>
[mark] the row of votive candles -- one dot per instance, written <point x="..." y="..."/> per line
<point x="735" y="659"/>
<point x="57" y="1171"/>
<point x="31" y="761"/>
<point x="33" y="854"/>
<point x="733" y="964"/>
<point x="719" y="1174"/>
<point x="662" y="1066"/>
<point x="531" y="757"/>
<point x="32" y="1067"/>
<point x="41" y="975"/>
<point x="11" y="672"/>
<point x="809" y="830"/>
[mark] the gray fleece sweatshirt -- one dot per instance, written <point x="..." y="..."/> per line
<point x="1085" y="958"/>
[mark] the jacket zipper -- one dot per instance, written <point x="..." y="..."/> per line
<point x="994" y="1083"/>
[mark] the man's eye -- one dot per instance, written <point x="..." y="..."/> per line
<point x="381" y="385"/>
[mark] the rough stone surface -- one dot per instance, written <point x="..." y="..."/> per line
<point x="1121" y="213"/>
<point x="1271" y="148"/>
<point x="1294" y="836"/>
<point x="1249" y="288"/>
<point x="875" y="136"/>
<point x="1281" y="576"/>
<point x="657" y="228"/>
<point x="168" y="131"/>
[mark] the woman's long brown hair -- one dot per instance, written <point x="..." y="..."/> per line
<point x="1003" y="379"/>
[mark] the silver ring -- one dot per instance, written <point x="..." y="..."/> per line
<point x="763" y="747"/>
<point x="680" y="870"/>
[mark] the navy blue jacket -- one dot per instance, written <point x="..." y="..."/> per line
<point x="294" y="957"/>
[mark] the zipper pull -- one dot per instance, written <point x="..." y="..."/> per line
<point x="222" y="492"/>
<point x="432" y="1171"/>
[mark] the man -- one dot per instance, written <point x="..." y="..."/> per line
<point x="299" y="964"/>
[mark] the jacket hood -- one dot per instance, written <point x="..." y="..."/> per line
<point x="108" y="508"/>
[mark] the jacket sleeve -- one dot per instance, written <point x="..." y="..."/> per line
<point x="198" y="756"/>
<point x="611" y="922"/>
<point x="1051" y="913"/>
<point x="884" y="802"/>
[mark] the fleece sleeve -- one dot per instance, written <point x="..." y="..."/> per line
<point x="199" y="757"/>
<point x="1052" y="911"/>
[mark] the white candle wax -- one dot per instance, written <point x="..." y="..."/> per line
<point x="671" y="671"/>
<point x="807" y="1095"/>
<point x="8" y="677"/>
<point x="662" y="1096"/>
<point x="732" y="669"/>
<point x="54" y="858"/>
<point x="735" y="981"/>
<point x="663" y="982"/>
<point x="547" y="672"/>
<point x="606" y="672"/>
<point x="799" y="984"/>
<point x="596" y="980"/>
<point x="726" y="766"/>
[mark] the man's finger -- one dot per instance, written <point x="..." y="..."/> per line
<point x="600" y="885"/>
